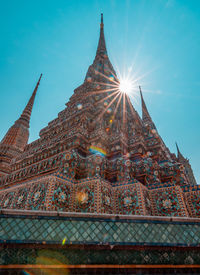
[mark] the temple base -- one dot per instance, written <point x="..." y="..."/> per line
<point x="78" y="243"/>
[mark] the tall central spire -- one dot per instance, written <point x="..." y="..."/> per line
<point x="101" y="49"/>
<point x="101" y="67"/>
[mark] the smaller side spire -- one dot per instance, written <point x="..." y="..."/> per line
<point x="179" y="155"/>
<point x="145" y="113"/>
<point x="16" y="137"/>
<point x="188" y="168"/>
<point x="26" y="115"/>
<point x="18" y="133"/>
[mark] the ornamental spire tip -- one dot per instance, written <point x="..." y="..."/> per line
<point x="101" y="21"/>
<point x="140" y="90"/>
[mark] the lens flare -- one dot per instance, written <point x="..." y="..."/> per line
<point x="79" y="106"/>
<point x="50" y="257"/>
<point x="126" y="86"/>
<point x="112" y="97"/>
<point x="82" y="197"/>
<point x="64" y="241"/>
<point x="97" y="150"/>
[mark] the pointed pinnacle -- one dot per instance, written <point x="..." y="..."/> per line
<point x="101" y="65"/>
<point x="140" y="92"/>
<point x="101" y="21"/>
<point x="145" y="113"/>
<point x="25" y="116"/>
<point x="101" y="49"/>
<point x="177" y="147"/>
<point x="179" y="155"/>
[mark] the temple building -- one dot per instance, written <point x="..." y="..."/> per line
<point x="98" y="188"/>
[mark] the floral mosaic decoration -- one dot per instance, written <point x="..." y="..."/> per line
<point x="21" y="198"/>
<point x="8" y="200"/>
<point x="167" y="202"/>
<point x="128" y="202"/>
<point x="37" y="197"/>
<point x="61" y="197"/>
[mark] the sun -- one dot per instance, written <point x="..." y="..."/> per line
<point x="125" y="86"/>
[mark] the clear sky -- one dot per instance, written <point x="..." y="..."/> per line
<point x="155" y="38"/>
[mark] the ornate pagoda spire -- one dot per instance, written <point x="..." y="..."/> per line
<point x="101" y="49"/>
<point x="101" y="68"/>
<point x="179" y="155"/>
<point x="17" y="136"/>
<point x="188" y="168"/>
<point x="26" y="115"/>
<point x="23" y="122"/>
<point x="145" y="114"/>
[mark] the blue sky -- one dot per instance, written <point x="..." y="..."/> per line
<point x="158" y="39"/>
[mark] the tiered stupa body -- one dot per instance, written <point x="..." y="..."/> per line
<point x="97" y="156"/>
<point x="99" y="191"/>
